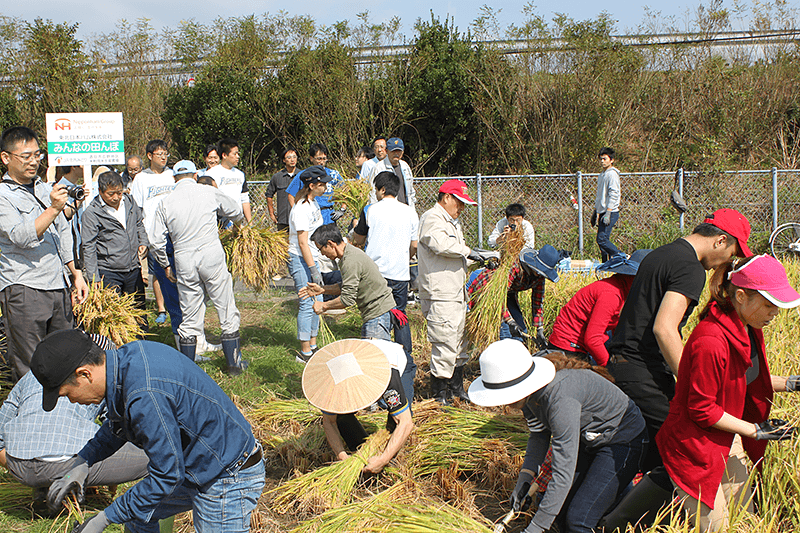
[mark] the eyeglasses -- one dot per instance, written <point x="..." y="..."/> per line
<point x="161" y="155"/>
<point x="27" y="157"/>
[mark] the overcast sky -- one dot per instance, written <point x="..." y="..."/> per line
<point x="99" y="16"/>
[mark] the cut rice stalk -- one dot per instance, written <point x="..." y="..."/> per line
<point x="353" y="195"/>
<point x="113" y="315"/>
<point x="254" y="254"/>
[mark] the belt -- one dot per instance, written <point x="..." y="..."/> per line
<point x="253" y="460"/>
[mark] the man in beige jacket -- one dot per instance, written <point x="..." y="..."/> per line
<point x="443" y="259"/>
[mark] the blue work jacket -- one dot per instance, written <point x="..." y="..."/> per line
<point x="165" y="404"/>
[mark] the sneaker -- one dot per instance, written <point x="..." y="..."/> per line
<point x="206" y="347"/>
<point x="201" y="358"/>
<point x="277" y="277"/>
<point x="161" y="318"/>
<point x="303" y="358"/>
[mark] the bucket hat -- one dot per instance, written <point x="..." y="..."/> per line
<point x="766" y="274"/>
<point x="346" y="376"/>
<point x="508" y="374"/>
<point x="543" y="261"/>
<point x="621" y="264"/>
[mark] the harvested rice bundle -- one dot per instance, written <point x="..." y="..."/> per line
<point x="113" y="315"/>
<point x="329" y="486"/>
<point x="15" y="495"/>
<point x="402" y="507"/>
<point x="254" y="254"/>
<point x="353" y="194"/>
<point x="487" y="304"/>
<point x="299" y="452"/>
<point x="325" y="334"/>
<point x="280" y="413"/>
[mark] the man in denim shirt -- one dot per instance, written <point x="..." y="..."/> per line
<point x="203" y="455"/>
<point x="36" y="261"/>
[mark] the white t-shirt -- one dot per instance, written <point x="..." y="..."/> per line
<point x="119" y="214"/>
<point x="232" y="182"/>
<point x="392" y="226"/>
<point x="305" y="216"/>
<point x="366" y="168"/>
<point x="394" y="353"/>
<point x="148" y="189"/>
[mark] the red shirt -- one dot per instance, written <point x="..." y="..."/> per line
<point x="583" y="324"/>
<point x="711" y="381"/>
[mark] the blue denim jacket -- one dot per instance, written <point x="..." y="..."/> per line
<point x="165" y="404"/>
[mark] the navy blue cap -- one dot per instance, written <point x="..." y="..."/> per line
<point x="315" y="174"/>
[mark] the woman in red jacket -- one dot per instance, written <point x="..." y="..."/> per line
<point x="583" y="325"/>
<point x="724" y="391"/>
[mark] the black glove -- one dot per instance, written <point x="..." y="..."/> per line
<point x="316" y="277"/>
<point x="541" y="340"/>
<point x="492" y="263"/>
<point x="519" y="497"/>
<point x="73" y="481"/>
<point x="95" y="524"/>
<point x="774" y="429"/>
<point x="338" y="213"/>
<point x="475" y="256"/>
<point x="593" y="219"/>
<point x="792" y="383"/>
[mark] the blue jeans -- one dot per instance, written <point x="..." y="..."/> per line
<point x="225" y="507"/>
<point x="512" y="304"/>
<point x="307" y="319"/>
<point x="607" y="248"/>
<point x="378" y="328"/>
<point x="600" y="478"/>
<point x="168" y="289"/>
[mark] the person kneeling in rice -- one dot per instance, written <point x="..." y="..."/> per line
<point x="724" y="392"/>
<point x="349" y="375"/>
<point x="597" y="433"/>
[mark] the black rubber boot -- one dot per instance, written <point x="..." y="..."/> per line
<point x="233" y="353"/>
<point x="439" y="390"/>
<point x="639" y="507"/>
<point x="456" y="384"/>
<point x="188" y="346"/>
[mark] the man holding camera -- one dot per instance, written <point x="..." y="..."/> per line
<point x="36" y="244"/>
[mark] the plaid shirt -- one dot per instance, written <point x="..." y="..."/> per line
<point x="28" y="432"/>
<point x="518" y="280"/>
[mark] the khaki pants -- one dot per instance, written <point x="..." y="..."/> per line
<point x="733" y="491"/>
<point x="446" y="334"/>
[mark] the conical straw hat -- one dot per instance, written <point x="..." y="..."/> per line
<point x="346" y="376"/>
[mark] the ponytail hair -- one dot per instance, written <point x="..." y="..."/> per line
<point x="562" y="361"/>
<point x="721" y="287"/>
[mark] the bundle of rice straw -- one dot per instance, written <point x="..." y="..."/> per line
<point x="277" y="413"/>
<point x="325" y="335"/>
<point x="402" y="507"/>
<point x="299" y="452"/>
<point x="482" y="443"/>
<point x="353" y="195"/>
<point x="14" y="496"/>
<point x="329" y="486"/>
<point x="110" y="314"/>
<point x="487" y="304"/>
<point x="254" y="254"/>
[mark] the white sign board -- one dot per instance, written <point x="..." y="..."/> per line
<point x="85" y="138"/>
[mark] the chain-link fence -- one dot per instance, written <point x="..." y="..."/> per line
<point x="559" y="206"/>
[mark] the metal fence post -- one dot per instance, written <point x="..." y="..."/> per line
<point x="579" y="178"/>
<point x="680" y="191"/>
<point x="480" y="211"/>
<point x="774" y="173"/>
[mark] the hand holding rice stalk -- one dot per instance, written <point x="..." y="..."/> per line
<point x="111" y="314"/>
<point x="329" y="486"/>
<point x="254" y="254"/>
<point x="487" y="304"/>
<point x="353" y="194"/>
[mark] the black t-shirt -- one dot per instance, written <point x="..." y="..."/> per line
<point x="672" y="267"/>
<point x="401" y="193"/>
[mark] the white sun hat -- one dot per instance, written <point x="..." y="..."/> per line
<point x="509" y="373"/>
<point x="346" y="376"/>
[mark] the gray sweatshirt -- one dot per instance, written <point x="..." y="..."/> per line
<point x="608" y="191"/>
<point x="578" y="408"/>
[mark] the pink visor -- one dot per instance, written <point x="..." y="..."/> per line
<point x="766" y="274"/>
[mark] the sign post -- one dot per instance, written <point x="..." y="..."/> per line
<point x="85" y="139"/>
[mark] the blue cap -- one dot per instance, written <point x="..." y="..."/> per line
<point x="184" y="166"/>
<point x="314" y="174"/>
<point x="395" y="143"/>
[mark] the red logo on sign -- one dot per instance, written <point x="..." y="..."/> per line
<point x="63" y="124"/>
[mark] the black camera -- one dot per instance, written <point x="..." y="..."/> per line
<point x="513" y="227"/>
<point x="75" y="191"/>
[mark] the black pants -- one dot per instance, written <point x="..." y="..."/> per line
<point x="30" y="314"/>
<point x="651" y="389"/>
<point x="127" y="283"/>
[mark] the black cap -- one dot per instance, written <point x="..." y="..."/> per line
<point x="314" y="174"/>
<point x="56" y="358"/>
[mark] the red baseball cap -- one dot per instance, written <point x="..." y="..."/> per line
<point x="735" y="224"/>
<point x="458" y="189"/>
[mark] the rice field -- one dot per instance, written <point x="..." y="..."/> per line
<point x="460" y="463"/>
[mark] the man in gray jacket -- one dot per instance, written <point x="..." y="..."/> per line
<point x="189" y="215"/>
<point x="113" y="236"/>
